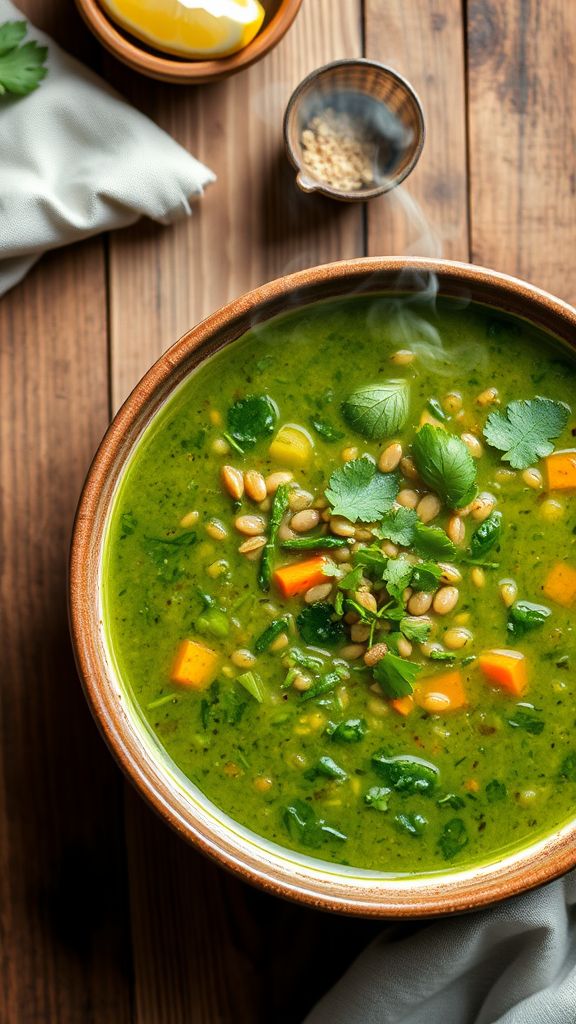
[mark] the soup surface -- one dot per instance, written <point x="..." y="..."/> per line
<point x="339" y="576"/>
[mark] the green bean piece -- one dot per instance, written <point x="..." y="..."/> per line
<point x="311" y="543"/>
<point x="279" y="507"/>
<point x="270" y="634"/>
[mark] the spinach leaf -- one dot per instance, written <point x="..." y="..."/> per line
<point x="432" y="542"/>
<point x="451" y="800"/>
<point x="270" y="634"/>
<point x="526" y="717"/>
<point x="325" y="429"/>
<point x="413" y="824"/>
<point x="358" y="491"/>
<point x="350" y="731"/>
<point x="128" y="524"/>
<point x="250" y="419"/>
<point x="303" y="826"/>
<point x="395" y="675"/>
<point x="379" y="410"/>
<point x="328" y="767"/>
<point x="406" y="774"/>
<point x="231" y="706"/>
<point x="317" y="626"/>
<point x="524" y="432"/>
<point x="378" y="797"/>
<point x="445" y="464"/>
<point x="323" y="684"/>
<point x="524" y="616"/>
<point x="453" y="839"/>
<point x="496" y="791"/>
<point x="486" y="535"/>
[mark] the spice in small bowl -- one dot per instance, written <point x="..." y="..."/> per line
<point x="353" y="130"/>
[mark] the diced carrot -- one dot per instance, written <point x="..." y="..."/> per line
<point x="195" y="666"/>
<point x="471" y="785"/>
<point x="403" y="705"/>
<point x="440" y="693"/>
<point x="297" y="577"/>
<point x="560" y="584"/>
<point x="505" y="668"/>
<point x="561" y="470"/>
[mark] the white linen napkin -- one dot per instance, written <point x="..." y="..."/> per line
<point x="512" y="964"/>
<point x="76" y="159"/>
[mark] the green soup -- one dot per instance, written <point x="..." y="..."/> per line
<point x="397" y="693"/>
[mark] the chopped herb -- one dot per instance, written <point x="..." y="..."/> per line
<point x="436" y="409"/>
<point x="311" y="543"/>
<point x="358" y="491"/>
<point x="325" y="429"/>
<point x="165" y="554"/>
<point x="451" y="800"/>
<point x="524" y="432"/>
<point x="496" y="791"/>
<point x="426" y="576"/>
<point x="397" y="574"/>
<point x="270" y="634"/>
<point x="395" y="675"/>
<point x="323" y="684"/>
<point x="378" y="797"/>
<point x="413" y="824"/>
<point x="415" y="629"/>
<point x="453" y="839"/>
<point x="486" y="535"/>
<point x="527" y="718"/>
<point x="253" y="684"/>
<point x="308" y="661"/>
<point x="398" y="525"/>
<point x="128" y="523"/>
<point x="350" y="731"/>
<point x="328" y="767"/>
<point x="351" y="581"/>
<point x="21" y="67"/>
<point x="305" y="827"/>
<point x="317" y="625"/>
<point x="405" y="773"/>
<point x="250" y="419"/>
<point x="438" y="655"/>
<point x="524" y="616"/>
<point x="378" y="411"/>
<point x="232" y="705"/>
<point x="568" y="768"/>
<point x="279" y="507"/>
<point x="432" y="542"/>
<point x="445" y="464"/>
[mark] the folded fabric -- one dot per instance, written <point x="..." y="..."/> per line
<point x="512" y="964"/>
<point x="76" y="159"/>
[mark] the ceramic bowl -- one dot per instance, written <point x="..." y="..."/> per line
<point x="131" y="51"/>
<point x="179" y="802"/>
<point x="378" y="99"/>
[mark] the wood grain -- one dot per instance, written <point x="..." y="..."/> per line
<point x="428" y="215"/>
<point x="522" y="117"/>
<point x="198" y="954"/>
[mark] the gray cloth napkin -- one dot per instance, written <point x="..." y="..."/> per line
<point x="512" y="964"/>
<point x="76" y="159"/>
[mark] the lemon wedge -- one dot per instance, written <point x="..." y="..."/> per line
<point x="190" y="28"/>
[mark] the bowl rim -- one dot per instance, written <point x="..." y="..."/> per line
<point x="319" y="884"/>
<point x="328" y="190"/>
<point x="170" y="68"/>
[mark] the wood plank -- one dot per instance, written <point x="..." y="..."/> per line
<point x="64" y="936"/>
<point x="428" y="214"/>
<point x="64" y="924"/>
<point x="254" y="224"/>
<point x="202" y="939"/>
<point x="522" y="139"/>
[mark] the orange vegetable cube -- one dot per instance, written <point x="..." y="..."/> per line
<point x="561" y="470"/>
<point x="441" y="693"/>
<point x="560" y="584"/>
<point x="505" y="668"/>
<point x="403" y="705"/>
<point x="298" y="577"/>
<point x="196" y="665"/>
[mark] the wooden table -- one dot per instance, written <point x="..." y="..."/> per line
<point x="105" y="916"/>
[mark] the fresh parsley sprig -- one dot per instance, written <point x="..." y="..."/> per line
<point x="21" y="66"/>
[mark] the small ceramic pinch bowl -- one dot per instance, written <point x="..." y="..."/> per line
<point x="383" y="106"/>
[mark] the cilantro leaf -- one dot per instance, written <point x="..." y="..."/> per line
<point x="486" y="535"/>
<point x="352" y="730"/>
<point x="397" y="574"/>
<point x="395" y="675"/>
<point x="251" y="419"/>
<point x="414" y="824"/>
<point x="525" y="431"/>
<point x="453" y="838"/>
<point x="445" y="464"/>
<point x="378" y="410"/>
<point x="398" y="525"/>
<point x="316" y="624"/>
<point x="524" y="616"/>
<point x="351" y="581"/>
<point x="358" y="491"/>
<point x="526" y="717"/>
<point x="378" y="797"/>
<point x="302" y="825"/>
<point x="414" y="628"/>
<point x="426" y="576"/>
<point x="21" y="67"/>
<point x="432" y="542"/>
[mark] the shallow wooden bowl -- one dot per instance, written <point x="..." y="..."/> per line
<point x="137" y="55"/>
<point x="179" y="802"/>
